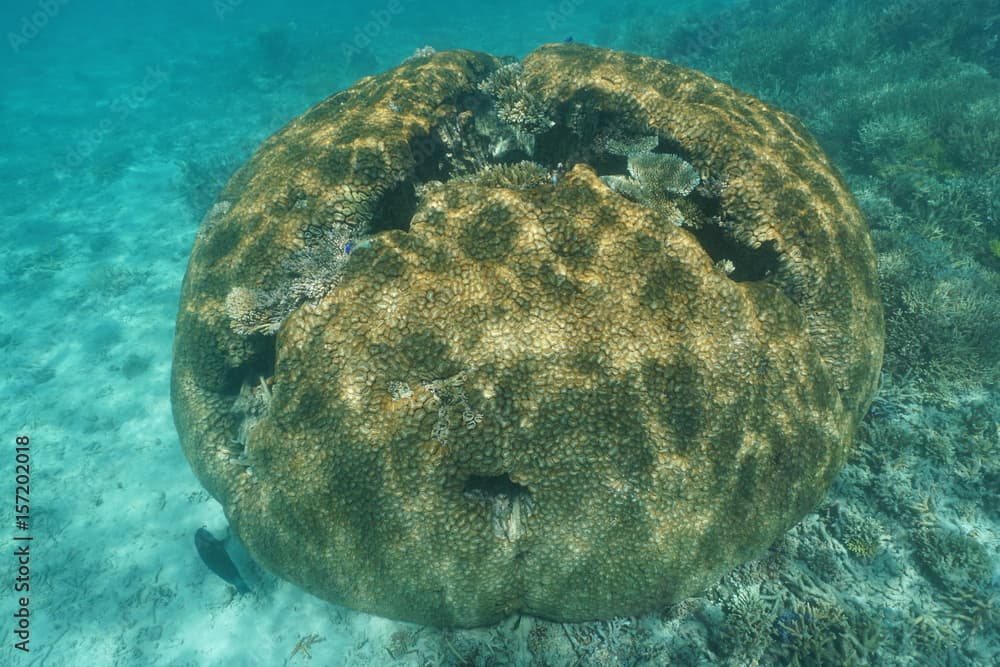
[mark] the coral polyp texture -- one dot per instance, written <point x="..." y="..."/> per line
<point x="435" y="368"/>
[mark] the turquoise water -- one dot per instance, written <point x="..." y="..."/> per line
<point x="122" y="121"/>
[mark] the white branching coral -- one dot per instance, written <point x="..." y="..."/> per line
<point x="663" y="173"/>
<point x="251" y="312"/>
<point x="514" y="104"/>
<point x="309" y="275"/>
<point x="653" y="178"/>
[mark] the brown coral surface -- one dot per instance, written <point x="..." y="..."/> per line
<point x="448" y="397"/>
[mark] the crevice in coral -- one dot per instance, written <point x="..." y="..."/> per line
<point x="584" y="126"/>
<point x="748" y="264"/>
<point x="430" y="158"/>
<point x="248" y="390"/>
<point x="609" y="132"/>
<point x="491" y="486"/>
<point x="394" y="209"/>
<point x="259" y="363"/>
<point x="509" y="504"/>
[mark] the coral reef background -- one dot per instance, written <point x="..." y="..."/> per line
<point x="123" y="122"/>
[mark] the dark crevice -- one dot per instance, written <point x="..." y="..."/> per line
<point x="263" y="365"/>
<point x="585" y="126"/>
<point x="482" y="487"/>
<point x="259" y="365"/>
<point x="508" y="505"/>
<point x="394" y="209"/>
<point x="670" y="146"/>
<point x="430" y="157"/>
<point x="751" y="264"/>
<point x="609" y="164"/>
<point x="253" y="400"/>
<point x="579" y="129"/>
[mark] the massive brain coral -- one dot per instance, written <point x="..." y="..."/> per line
<point x="568" y="337"/>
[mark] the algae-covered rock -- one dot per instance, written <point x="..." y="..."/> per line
<point x="448" y="398"/>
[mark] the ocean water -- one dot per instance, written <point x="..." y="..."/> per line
<point x="122" y="121"/>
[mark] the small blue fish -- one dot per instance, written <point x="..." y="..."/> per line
<point x="213" y="553"/>
<point x="357" y="245"/>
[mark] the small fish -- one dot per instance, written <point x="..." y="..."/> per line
<point x="213" y="553"/>
<point x="357" y="245"/>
